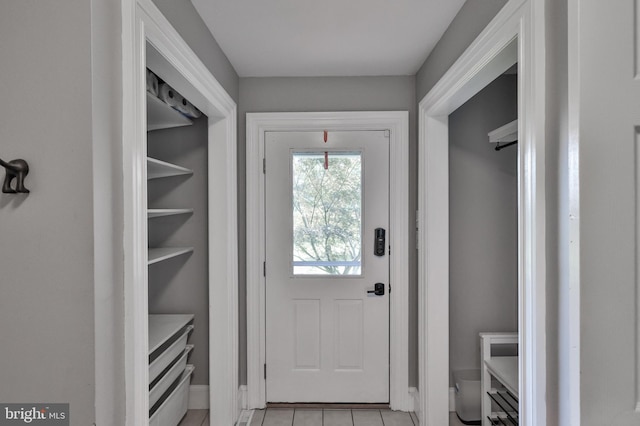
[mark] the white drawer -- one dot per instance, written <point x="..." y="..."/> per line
<point x="170" y="376"/>
<point x="175" y="406"/>
<point x="171" y="353"/>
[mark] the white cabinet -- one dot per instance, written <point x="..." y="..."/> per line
<point x="499" y="380"/>
<point x="168" y="353"/>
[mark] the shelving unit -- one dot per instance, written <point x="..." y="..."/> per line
<point x="505" y="134"/>
<point x="153" y="213"/>
<point x="161" y="169"/>
<point x="169" y="373"/>
<point x="499" y="404"/>
<point x="164" y="253"/>
<point x="162" y="116"/>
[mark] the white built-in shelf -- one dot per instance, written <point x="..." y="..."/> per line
<point x="160" y="169"/>
<point x="159" y="254"/>
<point x="162" y="116"/>
<point x="506" y="133"/>
<point x="151" y="213"/>
<point x="505" y="369"/>
<point x="163" y="327"/>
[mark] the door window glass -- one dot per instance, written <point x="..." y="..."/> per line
<point x="327" y="213"/>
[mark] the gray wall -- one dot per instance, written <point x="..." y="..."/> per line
<point x="47" y="251"/>
<point x="472" y="18"/>
<point x="180" y="285"/>
<point x="194" y="31"/>
<point x="483" y="227"/>
<point x="329" y="94"/>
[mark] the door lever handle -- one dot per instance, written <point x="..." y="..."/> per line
<point x="378" y="289"/>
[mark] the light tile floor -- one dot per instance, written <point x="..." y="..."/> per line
<point x="330" y="417"/>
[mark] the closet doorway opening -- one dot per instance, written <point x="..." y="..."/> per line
<point x="166" y="270"/>
<point x="483" y="250"/>
<point x="513" y="37"/>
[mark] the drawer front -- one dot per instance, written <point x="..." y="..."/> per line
<point x="175" y="405"/>
<point x="171" y="353"/>
<point x="170" y="376"/>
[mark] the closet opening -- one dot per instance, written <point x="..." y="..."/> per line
<point x="180" y="229"/>
<point x="178" y="274"/>
<point x="483" y="254"/>
<point x="513" y="36"/>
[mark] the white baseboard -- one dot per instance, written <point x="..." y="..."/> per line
<point x="199" y="397"/>
<point x="414" y="396"/>
<point x="242" y="399"/>
<point x="452" y="399"/>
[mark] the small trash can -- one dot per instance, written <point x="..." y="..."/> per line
<point x="468" y="399"/>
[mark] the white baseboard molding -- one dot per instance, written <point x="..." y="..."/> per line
<point x="414" y="396"/>
<point x="242" y="399"/>
<point x="452" y="400"/>
<point x="198" y="397"/>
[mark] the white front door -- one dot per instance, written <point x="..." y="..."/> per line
<point x="327" y="332"/>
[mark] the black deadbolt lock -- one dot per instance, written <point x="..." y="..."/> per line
<point x="379" y="242"/>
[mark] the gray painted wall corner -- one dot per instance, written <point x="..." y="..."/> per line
<point x="472" y="18"/>
<point x="186" y="20"/>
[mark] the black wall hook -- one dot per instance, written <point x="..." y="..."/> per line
<point x="16" y="169"/>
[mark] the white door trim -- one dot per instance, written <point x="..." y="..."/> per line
<point x="143" y="23"/>
<point x="398" y="123"/>
<point x="485" y="59"/>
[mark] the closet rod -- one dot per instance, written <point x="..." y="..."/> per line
<point x="499" y="147"/>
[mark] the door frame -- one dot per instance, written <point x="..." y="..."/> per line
<point x="398" y="124"/>
<point x="516" y="34"/>
<point x="142" y="23"/>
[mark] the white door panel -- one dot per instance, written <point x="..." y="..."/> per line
<point x="327" y="339"/>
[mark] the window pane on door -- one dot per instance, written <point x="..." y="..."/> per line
<point x="327" y="213"/>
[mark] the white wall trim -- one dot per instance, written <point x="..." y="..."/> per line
<point x="485" y="59"/>
<point x="242" y="398"/>
<point x="143" y="23"/>
<point x="398" y="123"/>
<point x="452" y="399"/>
<point x="569" y="363"/>
<point x="414" y="396"/>
<point x="198" y="397"/>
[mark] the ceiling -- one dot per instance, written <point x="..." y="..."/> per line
<point x="290" y="38"/>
